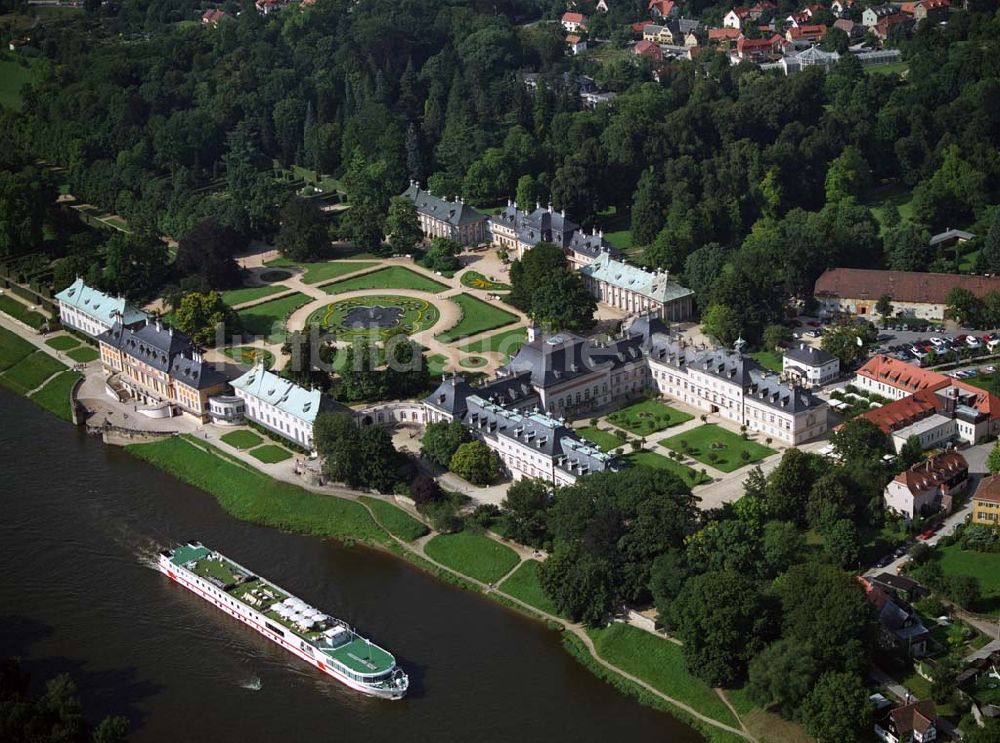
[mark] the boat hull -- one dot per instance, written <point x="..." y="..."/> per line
<point x="258" y="621"/>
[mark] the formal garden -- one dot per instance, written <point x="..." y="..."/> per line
<point x="476" y="280"/>
<point x="477" y="317"/>
<point x="317" y="272"/>
<point x="376" y="317"/>
<point x="717" y="447"/>
<point x="648" y="416"/>
<point x="507" y="342"/>
<point x="250" y="356"/>
<point x="656" y="461"/>
<point x="268" y="318"/>
<point x="233" y="297"/>
<point x="74" y="348"/>
<point x="390" y="277"/>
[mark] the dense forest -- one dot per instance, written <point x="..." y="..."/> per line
<point x="747" y="183"/>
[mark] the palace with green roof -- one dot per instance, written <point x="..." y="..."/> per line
<point x="637" y="291"/>
<point x="90" y="311"/>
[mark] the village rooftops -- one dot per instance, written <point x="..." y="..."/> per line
<point x="931" y="472"/>
<point x="654" y="285"/>
<point x="988" y="489"/>
<point x="102" y="307"/>
<point x="455" y="213"/>
<point x="281" y="393"/>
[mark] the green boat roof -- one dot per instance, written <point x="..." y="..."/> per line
<point x="186" y="553"/>
<point x="362" y="656"/>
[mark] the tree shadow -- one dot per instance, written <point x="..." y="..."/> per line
<point x="105" y="692"/>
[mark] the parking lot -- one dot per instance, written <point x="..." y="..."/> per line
<point x="917" y="344"/>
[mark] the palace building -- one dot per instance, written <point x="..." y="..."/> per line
<point x="158" y="367"/>
<point x="439" y="217"/>
<point x="568" y="376"/>
<point x="84" y="308"/>
<point x="636" y="290"/>
<point x="280" y="405"/>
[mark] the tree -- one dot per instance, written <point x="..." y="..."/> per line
<point x="789" y="485"/>
<point x="988" y="260"/>
<point x="701" y="268"/>
<point x="993" y="460"/>
<point x="564" y="303"/>
<point x="850" y="342"/>
<point x="442" y="255"/>
<point x="964" y="590"/>
<point x="309" y="359"/>
<point x="402" y="225"/>
<point x="207" y="251"/>
<point x="723" y="323"/>
<point x="475" y="462"/>
<point x="906" y="248"/>
<point x="836" y="40"/>
<point x="529" y="192"/>
<point x="358" y="456"/>
<point x="776" y="336"/>
<point x="848" y="175"/>
<point x="302" y="235"/>
<point x="201" y="315"/>
<point x="884" y="307"/>
<point x="989" y="733"/>
<point x="912" y="451"/>
<point x="25" y="197"/>
<point x="837" y="709"/>
<point x="782" y="545"/>
<point x="424" y="490"/>
<point x="963" y="306"/>
<point x="723" y="620"/>
<point x="524" y="510"/>
<point x="842" y="545"/>
<point x="134" y="266"/>
<point x="648" y="213"/>
<point x="860" y="440"/>
<point x="781" y="676"/>
<point x="441" y="440"/>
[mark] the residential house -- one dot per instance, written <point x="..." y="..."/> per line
<point x="212" y="16"/>
<point x="900" y="627"/>
<point x="934" y="11"/>
<point x="757" y="50"/>
<point x="574" y="22"/>
<point x="802" y="17"/>
<point x="923" y="295"/>
<point x="602" y="6"/>
<point x="915" y="722"/>
<point x="90" y="311"/>
<point x="735" y="17"/>
<point x="893" y="26"/>
<point x="657" y="34"/>
<point x="986" y="502"/>
<point x="576" y="44"/>
<point x="159" y="367"/>
<point x="810" y="366"/>
<point x="636" y="290"/>
<point x="950" y="238"/>
<point x="806" y="34"/>
<point x="927" y="486"/>
<point x="849" y="27"/>
<point x="899" y="586"/>
<point x="439" y="217"/>
<point x="663" y="8"/>
<point x="648" y="49"/>
<point x="723" y="35"/>
<point x="280" y="405"/>
<point x="842" y="8"/>
<point x="875" y="13"/>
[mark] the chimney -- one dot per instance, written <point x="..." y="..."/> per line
<point x="550" y="207"/>
<point x="159" y="325"/>
<point x="538" y="204"/>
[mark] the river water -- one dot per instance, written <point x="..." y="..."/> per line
<point x="80" y="524"/>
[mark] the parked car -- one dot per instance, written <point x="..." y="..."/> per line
<point x="972" y="341"/>
<point x="925" y="535"/>
<point x="990" y="369"/>
<point x="883" y="561"/>
<point x="938" y="342"/>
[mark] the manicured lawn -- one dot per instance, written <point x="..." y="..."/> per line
<point x="390" y="277"/>
<point x="242" y="439"/>
<point x="648" y="416"/>
<point x="31" y="371"/>
<point x="474" y="555"/>
<point x="727" y="447"/>
<point x="768" y="359"/>
<point x="271" y="453"/>
<point x="506" y="342"/>
<point x="250" y="356"/>
<point x="13" y="77"/>
<point x="477" y="317"/>
<point x="395" y="520"/>
<point x="323" y="270"/>
<point x="13" y="348"/>
<point x="893" y="68"/>
<point x="476" y="280"/>
<point x="62" y="342"/>
<point x="984" y="566"/>
<point x="436" y="364"/>
<point x="268" y="319"/>
<point x="660" y="663"/>
<point x="523" y="584"/>
<point x="690" y="476"/>
<point x="338" y="316"/>
<point x="54" y="396"/>
<point x="84" y="354"/>
<point x="19" y="311"/>
<point x="604" y="440"/>
<point x="257" y="498"/>
<point x="234" y="297"/>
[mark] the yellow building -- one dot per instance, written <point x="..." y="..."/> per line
<point x="986" y="502"/>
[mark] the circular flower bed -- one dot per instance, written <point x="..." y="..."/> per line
<point x="375" y="318"/>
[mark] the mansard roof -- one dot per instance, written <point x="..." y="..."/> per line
<point x="455" y="213"/>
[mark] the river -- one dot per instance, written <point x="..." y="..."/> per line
<point x="80" y="524"/>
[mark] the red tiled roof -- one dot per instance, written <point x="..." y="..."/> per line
<point x="901" y="375"/>
<point x="916" y="717"/>
<point x="902" y="286"/>
<point x="930" y="472"/>
<point x="569" y="17"/>
<point x="722" y="34"/>
<point x="989" y="489"/>
<point x="665" y="7"/>
<point x="899" y="413"/>
<point x="638" y="27"/>
<point x="572" y="39"/>
<point x="648" y="49"/>
<point x="819" y="31"/>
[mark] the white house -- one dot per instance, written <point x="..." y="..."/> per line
<point x="92" y="312"/>
<point x="280" y="405"/>
<point x="814" y="367"/>
<point x="927" y="485"/>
